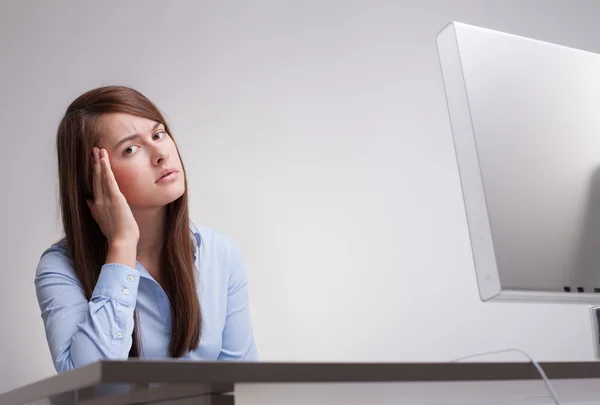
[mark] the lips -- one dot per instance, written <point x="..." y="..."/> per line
<point x="166" y="172"/>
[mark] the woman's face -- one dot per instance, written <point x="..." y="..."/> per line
<point x="140" y="151"/>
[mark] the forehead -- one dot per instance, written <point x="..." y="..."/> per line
<point x="115" y="126"/>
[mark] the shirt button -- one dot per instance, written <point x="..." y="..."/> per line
<point x="129" y="278"/>
<point x="119" y="335"/>
<point x="126" y="291"/>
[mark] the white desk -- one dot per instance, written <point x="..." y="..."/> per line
<point x="186" y="383"/>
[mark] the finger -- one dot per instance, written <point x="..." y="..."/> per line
<point x="103" y="186"/>
<point x="104" y="164"/>
<point x="112" y="188"/>
<point x="97" y="175"/>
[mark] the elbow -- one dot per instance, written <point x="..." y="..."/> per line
<point x="63" y="363"/>
<point x="248" y="353"/>
<point x="82" y="352"/>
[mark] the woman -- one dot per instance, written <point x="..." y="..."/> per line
<point x="133" y="276"/>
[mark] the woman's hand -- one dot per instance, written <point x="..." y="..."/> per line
<point x="109" y="207"/>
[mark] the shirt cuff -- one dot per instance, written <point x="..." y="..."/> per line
<point x="118" y="282"/>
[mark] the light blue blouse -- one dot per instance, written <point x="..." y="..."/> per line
<point x="81" y="331"/>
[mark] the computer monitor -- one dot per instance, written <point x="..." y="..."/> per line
<point x="525" y="119"/>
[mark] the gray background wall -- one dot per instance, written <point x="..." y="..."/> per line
<point x="315" y="134"/>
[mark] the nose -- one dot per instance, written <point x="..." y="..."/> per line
<point x="160" y="156"/>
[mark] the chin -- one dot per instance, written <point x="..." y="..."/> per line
<point x="160" y="198"/>
<point x="172" y="195"/>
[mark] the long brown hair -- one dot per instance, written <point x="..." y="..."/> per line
<point x="78" y="132"/>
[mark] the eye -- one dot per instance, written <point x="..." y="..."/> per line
<point x="161" y="134"/>
<point x="157" y="137"/>
<point x="129" y="151"/>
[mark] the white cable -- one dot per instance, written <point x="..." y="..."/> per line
<point x="535" y="363"/>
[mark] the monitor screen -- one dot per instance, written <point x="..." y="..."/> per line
<point x="525" y="120"/>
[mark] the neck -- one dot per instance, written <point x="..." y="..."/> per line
<point x="151" y="223"/>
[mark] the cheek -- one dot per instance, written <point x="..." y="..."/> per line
<point x="174" y="154"/>
<point x="128" y="179"/>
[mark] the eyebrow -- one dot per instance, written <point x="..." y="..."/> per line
<point x="135" y="136"/>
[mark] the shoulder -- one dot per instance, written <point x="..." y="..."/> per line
<point x="217" y="246"/>
<point x="55" y="261"/>
<point x="56" y="253"/>
<point x="213" y="240"/>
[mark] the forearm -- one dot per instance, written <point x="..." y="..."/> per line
<point x="80" y="331"/>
